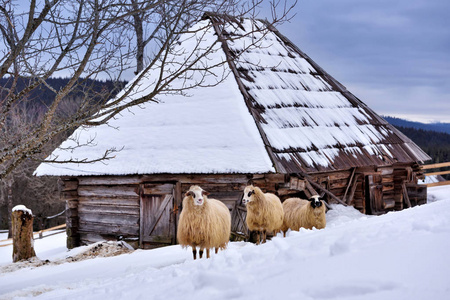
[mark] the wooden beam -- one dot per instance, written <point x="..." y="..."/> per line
<point x="353" y="190"/>
<point x="433" y="166"/>
<point x="349" y="184"/>
<point x="318" y="186"/>
<point x="439" y="183"/>
<point x="437" y="173"/>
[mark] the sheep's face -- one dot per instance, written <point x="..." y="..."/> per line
<point x="315" y="201"/>
<point x="248" y="195"/>
<point x="197" y="194"/>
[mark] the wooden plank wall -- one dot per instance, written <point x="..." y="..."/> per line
<point x="108" y="208"/>
<point x="69" y="194"/>
<point x="389" y="180"/>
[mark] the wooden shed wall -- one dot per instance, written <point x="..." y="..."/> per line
<point x="110" y="207"/>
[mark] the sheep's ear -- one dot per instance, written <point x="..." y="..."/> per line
<point x="205" y="193"/>
<point x="189" y="193"/>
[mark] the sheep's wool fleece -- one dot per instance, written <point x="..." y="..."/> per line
<point x="206" y="226"/>
<point x="299" y="213"/>
<point x="265" y="212"/>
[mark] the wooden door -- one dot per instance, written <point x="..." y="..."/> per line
<point x="374" y="195"/>
<point x="157" y="223"/>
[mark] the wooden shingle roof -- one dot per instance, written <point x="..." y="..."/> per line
<point x="308" y="120"/>
<point x="277" y="112"/>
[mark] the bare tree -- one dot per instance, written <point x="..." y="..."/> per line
<point x="90" y="39"/>
<point x="20" y="186"/>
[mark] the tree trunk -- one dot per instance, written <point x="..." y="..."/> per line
<point x="139" y="30"/>
<point x="22" y="232"/>
<point x="9" y="204"/>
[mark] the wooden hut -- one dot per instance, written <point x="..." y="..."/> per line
<point x="278" y="120"/>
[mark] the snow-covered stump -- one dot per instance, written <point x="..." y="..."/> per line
<point x="22" y="233"/>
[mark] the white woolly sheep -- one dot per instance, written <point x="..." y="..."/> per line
<point x="264" y="212"/>
<point x="303" y="213"/>
<point x="204" y="222"/>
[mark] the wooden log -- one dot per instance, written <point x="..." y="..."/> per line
<point x="72" y="223"/>
<point x="334" y="176"/>
<point x="353" y="190"/>
<point x="178" y="194"/>
<point x="71" y="212"/>
<point x="440" y="183"/>
<point x="22" y="233"/>
<point x="319" y="187"/>
<point x="69" y="195"/>
<point x="406" y="196"/>
<point x="385" y="171"/>
<point x="158" y="189"/>
<point x="108" y="209"/>
<point x="340" y="184"/>
<point x="388" y="187"/>
<point x="388" y="203"/>
<point x="108" y="229"/>
<point x="387" y="179"/>
<point x="109" y="180"/>
<point x="108" y="191"/>
<point x="108" y="219"/>
<point x="350" y="182"/>
<point x="338" y="192"/>
<point x="434" y="166"/>
<point x="72" y="204"/>
<point x="69" y="185"/>
<point x="437" y="173"/>
<point x="123" y="201"/>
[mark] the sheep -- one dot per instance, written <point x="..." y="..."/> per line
<point x="204" y="222"/>
<point x="264" y="212"/>
<point x="303" y="213"/>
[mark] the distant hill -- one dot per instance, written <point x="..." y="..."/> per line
<point x="42" y="95"/>
<point x="435" y="144"/>
<point x="439" y="127"/>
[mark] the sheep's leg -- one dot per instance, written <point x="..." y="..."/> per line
<point x="264" y="236"/>
<point x="194" y="252"/>
<point x="284" y="233"/>
<point x="201" y="252"/>
<point x="216" y="249"/>
<point x="207" y="253"/>
<point x="258" y="237"/>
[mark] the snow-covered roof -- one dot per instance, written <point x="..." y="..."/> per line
<point x="277" y="111"/>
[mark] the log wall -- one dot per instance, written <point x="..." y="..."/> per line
<point x="109" y="207"/>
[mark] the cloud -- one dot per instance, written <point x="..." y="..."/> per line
<point x="394" y="55"/>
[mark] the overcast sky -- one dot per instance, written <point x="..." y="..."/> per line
<point x="393" y="55"/>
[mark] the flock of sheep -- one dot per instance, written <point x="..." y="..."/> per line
<point x="206" y="223"/>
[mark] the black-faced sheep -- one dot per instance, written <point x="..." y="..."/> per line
<point x="303" y="213"/>
<point x="264" y="212"/>
<point x="204" y="222"/>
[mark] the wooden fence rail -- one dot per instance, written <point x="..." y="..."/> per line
<point x="434" y="166"/>
<point x="437" y="166"/>
<point x="39" y="233"/>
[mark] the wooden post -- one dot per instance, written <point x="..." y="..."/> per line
<point x="22" y="233"/>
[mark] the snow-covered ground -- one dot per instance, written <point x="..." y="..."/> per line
<point x="401" y="255"/>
